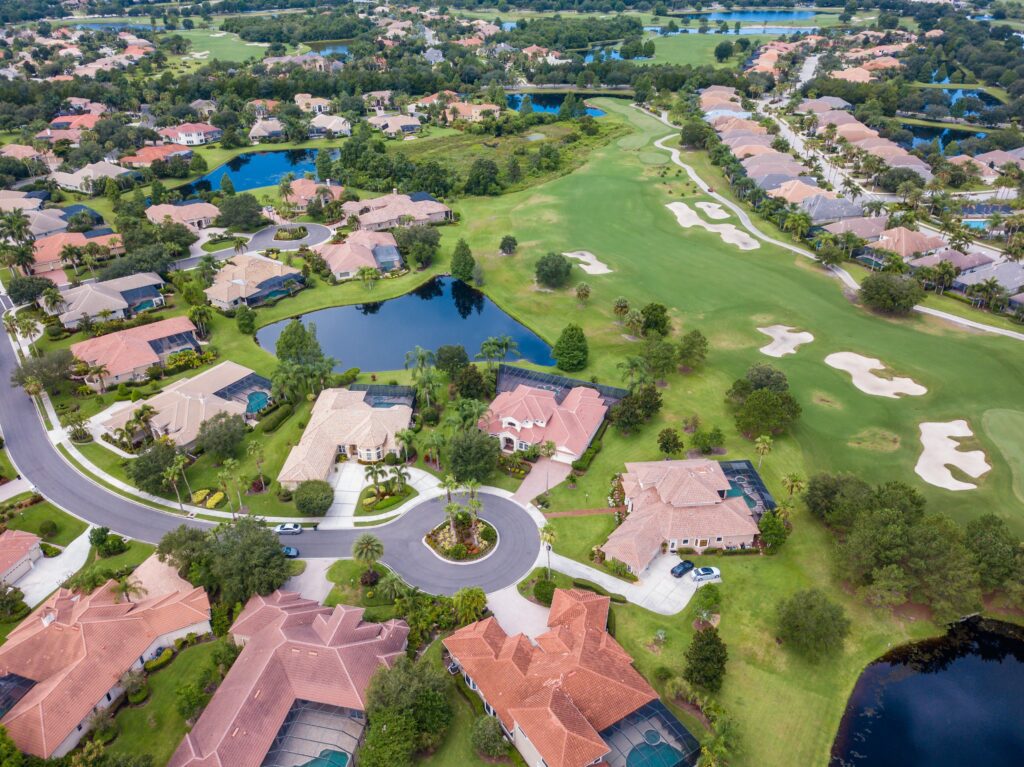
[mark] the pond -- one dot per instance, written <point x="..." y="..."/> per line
<point x="926" y="134"/>
<point x="756" y="17"/>
<point x="119" y="26"/>
<point x="939" y="703"/>
<point x="762" y="30"/>
<point x="330" y="47"/>
<point x="376" y="336"/>
<point x="546" y="102"/>
<point x="255" y="169"/>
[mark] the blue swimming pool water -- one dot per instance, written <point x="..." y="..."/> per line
<point x="257" y="400"/>
<point x="147" y="304"/>
<point x="976" y="223"/>
<point x="329" y="759"/>
<point x="256" y="169"/>
<point x="376" y="336"/>
<point x="656" y="755"/>
<point x="546" y="102"/>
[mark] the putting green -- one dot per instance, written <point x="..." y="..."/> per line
<point x="1005" y="428"/>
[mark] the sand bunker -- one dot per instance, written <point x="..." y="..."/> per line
<point x="941" y="450"/>
<point x="860" y="368"/>
<point x="687" y="217"/>
<point x="785" y="340"/>
<point x="258" y="45"/>
<point x="218" y="34"/>
<point x="591" y="264"/>
<point x="712" y="210"/>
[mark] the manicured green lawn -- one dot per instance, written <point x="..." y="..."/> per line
<point x="576" y="535"/>
<point x="134" y="556"/>
<point x="347" y="590"/>
<point x="696" y="49"/>
<point x="217" y="44"/>
<point x="32" y="518"/>
<point x="155" y="727"/>
<point x="6" y="467"/>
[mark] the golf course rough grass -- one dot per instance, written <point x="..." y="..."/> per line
<point x="615" y="205"/>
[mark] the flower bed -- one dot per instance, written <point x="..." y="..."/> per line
<point x="292" y="233"/>
<point x="461" y="546"/>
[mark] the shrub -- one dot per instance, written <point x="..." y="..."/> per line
<point x="457" y="552"/>
<point x="271" y="422"/>
<point x="891" y="293"/>
<point x="369" y="577"/>
<point x="138" y="696"/>
<point x="553" y="270"/>
<point x="811" y="624"/>
<point x="705" y="660"/>
<point x="48" y="528"/>
<point x="48" y="550"/>
<point x="488" y="739"/>
<point x="544" y="591"/>
<point x="314" y="497"/>
<point x="159" y="661"/>
<point x="200" y="495"/>
<point x="215" y="500"/>
<point x="570" y="350"/>
<point x="489" y="534"/>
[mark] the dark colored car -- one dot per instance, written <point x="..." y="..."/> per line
<point x="290" y="551"/>
<point x="682" y="568"/>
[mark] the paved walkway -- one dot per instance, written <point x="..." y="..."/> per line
<point x="657" y="590"/>
<point x="14" y="487"/>
<point x="313" y="583"/>
<point x="839" y="272"/>
<point x="50" y="572"/>
<point x="544" y="475"/>
<point x="349" y="480"/>
<point x="516" y="614"/>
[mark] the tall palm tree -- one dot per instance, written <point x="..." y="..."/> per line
<point x="451" y="511"/>
<point x="224" y="482"/>
<point x="52" y="299"/>
<point x="367" y="550"/>
<point x="473" y="506"/>
<point x="435" y="443"/>
<point x="391" y="586"/>
<point x="793" y="483"/>
<point x="490" y="350"/>
<point x="11" y="323"/>
<point x="426" y="380"/>
<point x="180" y="464"/>
<point x="170" y="476"/>
<point x="28" y="326"/>
<point x="231" y="467"/>
<point x="450" y="485"/>
<point x="419" y="358"/>
<point x="762" y="446"/>
<point x="399" y="478"/>
<point x="368" y="276"/>
<point x="201" y="317"/>
<point x="375" y="473"/>
<point x="547" y="450"/>
<point x="99" y="371"/>
<point x="406" y="438"/>
<point x="548" y="536"/>
<point x="126" y="588"/>
<point x="506" y="346"/>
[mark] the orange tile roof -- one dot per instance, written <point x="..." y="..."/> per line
<point x="295" y="649"/>
<point x="46" y="250"/>
<point x="128" y="350"/>
<point x="570" y="425"/>
<point x="14" y="545"/>
<point x="148" y="154"/>
<point x="76" y="648"/>
<point x="564" y="691"/>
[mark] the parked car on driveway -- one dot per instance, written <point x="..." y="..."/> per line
<point x="702" y="574"/>
<point x="288" y="528"/>
<point x="682" y="568"/>
<point x="290" y="551"/>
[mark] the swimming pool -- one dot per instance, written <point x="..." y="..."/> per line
<point x="147" y="304"/>
<point x="256" y="401"/>
<point x="976" y="223"/>
<point x="329" y="759"/>
<point x="659" y="754"/>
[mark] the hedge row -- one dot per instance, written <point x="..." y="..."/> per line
<point x="159" y="661"/>
<point x="588" y="456"/>
<point x="271" y="423"/>
<point x="579" y="583"/>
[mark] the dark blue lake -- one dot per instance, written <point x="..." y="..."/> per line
<point x="926" y="134"/>
<point x="328" y="47"/>
<point x="376" y="336"/>
<point x="119" y="26"/>
<point x="256" y="169"/>
<point x="754" y="17"/>
<point x="546" y="102"/>
<point x="940" y="703"/>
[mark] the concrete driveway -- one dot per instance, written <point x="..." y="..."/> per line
<point x="48" y="573"/>
<point x="516" y="614"/>
<point x="313" y="583"/>
<point x="656" y="590"/>
<point x="544" y="475"/>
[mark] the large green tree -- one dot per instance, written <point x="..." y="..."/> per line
<point x="472" y="455"/>
<point x="570" y="350"/>
<point x="705" y="660"/>
<point x="811" y="624"/>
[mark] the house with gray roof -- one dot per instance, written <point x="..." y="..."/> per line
<point x="113" y="299"/>
<point x="433" y="56"/>
<point x="824" y="210"/>
<point x="1007" y="273"/>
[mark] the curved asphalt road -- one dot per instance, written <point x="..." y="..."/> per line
<point x="404" y="551"/>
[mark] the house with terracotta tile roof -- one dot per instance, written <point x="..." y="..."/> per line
<point x="191" y="134"/>
<point x="423" y="104"/>
<point x="853" y="75"/>
<point x="307" y="102"/>
<point x="343" y="422"/>
<point x="181" y="408"/>
<point x="193" y="214"/>
<point x="144" y="157"/>
<point x="252" y="279"/>
<point x="391" y="210"/>
<point x="571" y="698"/>
<point x="46" y="251"/>
<point x="18" y="552"/>
<point x="473" y="113"/>
<point x="21" y="152"/>
<point x="75" y="122"/>
<point x="687" y="503"/>
<point x="262" y="107"/>
<point x="362" y="248"/>
<point x="65" y="661"/>
<point x="907" y="243"/>
<point x="297" y="692"/>
<point x="302" y="191"/>
<point x="527" y="416"/>
<point x="128" y="354"/>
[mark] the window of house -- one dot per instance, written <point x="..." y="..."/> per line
<point x="719" y="539"/>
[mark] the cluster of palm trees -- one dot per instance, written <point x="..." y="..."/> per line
<point x="16" y="240"/>
<point x="497" y="349"/>
<point x="393" y="479"/>
<point x="88" y="255"/>
<point x="139" y="422"/>
<point x="469" y="489"/>
<point x="22" y="324"/>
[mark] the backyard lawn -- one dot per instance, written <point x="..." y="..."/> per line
<point x="155" y="727"/>
<point x="32" y="519"/>
<point x="134" y="556"/>
<point x="576" y="536"/>
<point x="344" y="574"/>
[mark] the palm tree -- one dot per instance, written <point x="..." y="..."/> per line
<point x="11" y="323"/>
<point x="471" y="487"/>
<point x="375" y="473"/>
<point x="798" y="224"/>
<point x="547" y="450"/>
<point x="180" y="464"/>
<point x="231" y="467"/>
<point x="400" y="478"/>
<point x="451" y="511"/>
<point x="469" y="604"/>
<point x="170" y="476"/>
<point x="406" y="438"/>
<point x="793" y="483"/>
<point x="367" y="550"/>
<point x="762" y="446"/>
<point x="27" y="326"/>
<point x="450" y="485"/>
<point x="490" y="350"/>
<point x="506" y="346"/>
<point x="224" y="481"/>
<point x="126" y="589"/>
<point x="72" y="255"/>
<point x="201" y="317"/>
<point x="239" y="245"/>
<point x="633" y="369"/>
<point x="391" y="586"/>
<point x="435" y="443"/>
<point x="255" y="451"/>
<point x="548" y="536"/>
<point x="33" y="386"/>
<point x="368" y="276"/>
<point x="419" y="358"/>
<point x="99" y="371"/>
<point x="473" y="506"/>
<point x="52" y="299"/>
<point x="426" y="379"/>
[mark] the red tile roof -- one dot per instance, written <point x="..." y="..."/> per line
<point x="128" y="350"/>
<point x="570" y="425"/>
<point x="76" y="648"/>
<point x="14" y="545"/>
<point x="564" y="691"/>
<point x="295" y="649"/>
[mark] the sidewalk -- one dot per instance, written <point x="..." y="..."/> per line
<point x="50" y="572"/>
<point x="14" y="487"/>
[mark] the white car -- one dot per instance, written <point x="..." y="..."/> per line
<point x="703" y="574"/>
<point x="288" y="528"/>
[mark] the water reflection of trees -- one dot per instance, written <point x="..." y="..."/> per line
<point x="467" y="299"/>
<point x="371" y="308"/>
<point x="430" y="290"/>
<point x="989" y="640"/>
